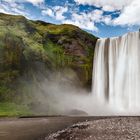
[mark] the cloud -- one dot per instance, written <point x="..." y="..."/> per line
<point x="13" y="8"/>
<point x="34" y="2"/>
<point x="129" y="10"/>
<point x="59" y="12"/>
<point x="56" y="12"/>
<point x="107" y="20"/>
<point x="105" y="4"/>
<point x="108" y="8"/>
<point x="86" y="20"/>
<point x="130" y="15"/>
<point x="48" y="12"/>
<point x="17" y="7"/>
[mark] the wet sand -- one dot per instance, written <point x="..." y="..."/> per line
<point x="35" y="128"/>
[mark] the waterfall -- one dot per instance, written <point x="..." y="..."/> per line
<point x="116" y="71"/>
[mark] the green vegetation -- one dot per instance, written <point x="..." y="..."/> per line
<point x="8" y="109"/>
<point x="31" y="47"/>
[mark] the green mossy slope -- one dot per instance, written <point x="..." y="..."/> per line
<point x="30" y="48"/>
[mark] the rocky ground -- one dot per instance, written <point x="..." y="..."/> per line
<point x="119" y="128"/>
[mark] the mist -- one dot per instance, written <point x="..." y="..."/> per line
<point x="60" y="95"/>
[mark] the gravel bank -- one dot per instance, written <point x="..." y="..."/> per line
<point x="119" y="128"/>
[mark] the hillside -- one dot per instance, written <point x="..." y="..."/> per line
<point x="32" y="50"/>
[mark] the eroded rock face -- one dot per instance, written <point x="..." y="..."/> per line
<point x="78" y="49"/>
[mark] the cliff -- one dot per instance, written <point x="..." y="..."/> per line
<point x="34" y="49"/>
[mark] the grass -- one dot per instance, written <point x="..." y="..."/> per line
<point x="9" y="109"/>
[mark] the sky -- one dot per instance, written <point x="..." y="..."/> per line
<point x="102" y="18"/>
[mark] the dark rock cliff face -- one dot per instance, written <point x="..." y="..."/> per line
<point x="31" y="47"/>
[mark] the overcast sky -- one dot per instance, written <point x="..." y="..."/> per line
<point x="103" y="18"/>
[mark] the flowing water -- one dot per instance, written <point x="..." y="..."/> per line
<point x="116" y="72"/>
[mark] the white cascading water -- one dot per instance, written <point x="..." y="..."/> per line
<point x="116" y="72"/>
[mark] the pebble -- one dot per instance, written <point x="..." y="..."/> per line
<point x="118" y="128"/>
